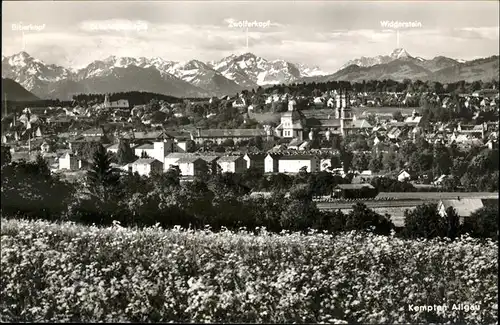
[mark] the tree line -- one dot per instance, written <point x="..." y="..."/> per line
<point x="29" y="190"/>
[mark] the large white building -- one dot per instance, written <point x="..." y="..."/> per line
<point x="158" y="150"/>
<point x="121" y="103"/>
<point x="294" y="163"/>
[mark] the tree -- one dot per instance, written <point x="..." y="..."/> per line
<point x="372" y="119"/>
<point x="30" y="190"/>
<point x="102" y="179"/>
<point x="258" y="142"/>
<point x="124" y="154"/>
<point x="228" y="143"/>
<point x="88" y="149"/>
<point x="483" y="223"/>
<point x="300" y="212"/>
<point x="363" y="218"/>
<point x="442" y="160"/>
<point x="453" y="222"/>
<point x="171" y="178"/>
<point x="346" y="156"/>
<point x="389" y="160"/>
<point x="375" y="164"/>
<point x="398" y="116"/>
<point x="332" y="221"/>
<point x="252" y="178"/>
<point x="360" y="162"/>
<point x="425" y="222"/>
<point x="190" y="146"/>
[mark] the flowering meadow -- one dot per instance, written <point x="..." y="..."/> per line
<point x="66" y="272"/>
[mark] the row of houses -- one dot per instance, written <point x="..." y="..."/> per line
<point x="194" y="164"/>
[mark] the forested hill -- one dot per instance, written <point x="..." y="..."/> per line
<point x="379" y="86"/>
<point x="133" y="97"/>
<point x="15" y="92"/>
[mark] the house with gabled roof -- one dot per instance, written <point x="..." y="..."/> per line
<point x="69" y="161"/>
<point x="404" y="176"/>
<point x="192" y="166"/>
<point x="146" y="166"/>
<point x="232" y="164"/>
<point x="464" y="207"/>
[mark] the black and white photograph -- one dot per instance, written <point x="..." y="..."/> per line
<point x="285" y="162"/>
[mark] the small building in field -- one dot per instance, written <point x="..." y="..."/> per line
<point x="404" y="176"/>
<point x="232" y="164"/>
<point x="146" y="166"/>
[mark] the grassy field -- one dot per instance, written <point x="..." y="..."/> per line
<point x="436" y="196"/>
<point x="67" y="273"/>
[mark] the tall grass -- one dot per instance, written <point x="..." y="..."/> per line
<point x="66" y="272"/>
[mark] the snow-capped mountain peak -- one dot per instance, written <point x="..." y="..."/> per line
<point x="306" y="71"/>
<point x="400" y="53"/>
<point x="228" y="75"/>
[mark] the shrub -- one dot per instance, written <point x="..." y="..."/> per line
<point x="65" y="273"/>
<point x="483" y="223"/>
<point x="425" y="222"/>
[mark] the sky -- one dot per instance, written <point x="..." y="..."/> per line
<point x="324" y="34"/>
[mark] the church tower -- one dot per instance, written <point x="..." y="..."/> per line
<point x="345" y="113"/>
<point x="107" y="103"/>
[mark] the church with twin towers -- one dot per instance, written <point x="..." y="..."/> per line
<point x="341" y="122"/>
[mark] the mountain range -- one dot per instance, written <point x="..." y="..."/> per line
<point x="400" y="65"/>
<point x="181" y="79"/>
<point x="229" y="75"/>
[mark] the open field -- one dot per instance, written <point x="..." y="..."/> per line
<point x="91" y="274"/>
<point x="404" y="201"/>
<point x="370" y="204"/>
<point x="436" y="196"/>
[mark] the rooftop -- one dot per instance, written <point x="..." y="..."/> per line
<point x="297" y="157"/>
<point x="145" y="161"/>
<point x="464" y="207"/>
<point x="229" y="158"/>
<point x="188" y="160"/>
<point x="221" y="133"/>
